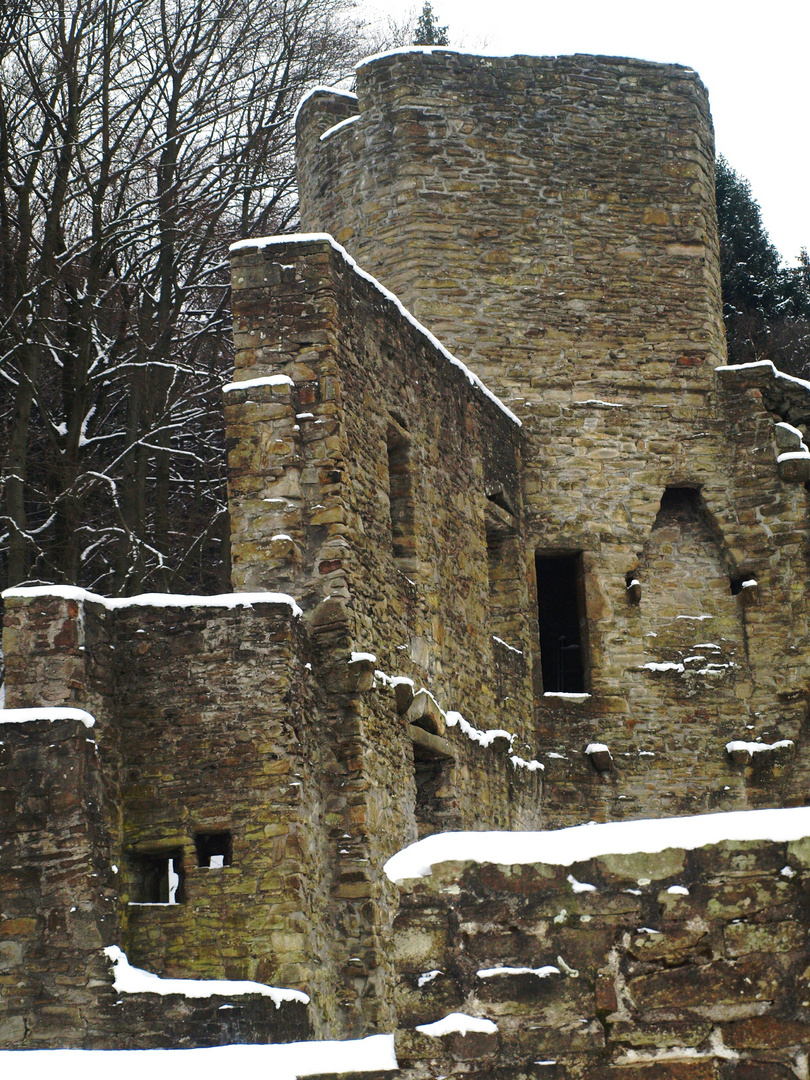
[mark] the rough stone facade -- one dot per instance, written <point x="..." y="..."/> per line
<point x="552" y="220"/>
<point x="577" y="590"/>
<point x="682" y="964"/>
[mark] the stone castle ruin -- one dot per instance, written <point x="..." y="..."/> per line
<point x="513" y="549"/>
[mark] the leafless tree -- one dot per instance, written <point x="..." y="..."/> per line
<point x="137" y="139"/>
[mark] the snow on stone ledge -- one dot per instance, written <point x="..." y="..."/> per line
<point x="562" y="847"/>
<point x="542" y="972"/>
<point x="457" y="1024"/>
<point x="322" y="90"/>
<point x="752" y="748"/>
<point x="265" y="380"/>
<point x="765" y="364"/>
<point x="179" y="600"/>
<point x="274" y="1061"/>
<point x="131" y="980"/>
<point x="25" y="716"/>
<point x="298" y="238"/>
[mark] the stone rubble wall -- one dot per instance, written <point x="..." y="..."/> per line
<point x="552" y="220"/>
<point x="311" y="512"/>
<point x="203" y="725"/>
<point x="687" y="964"/>
<point x="539" y="214"/>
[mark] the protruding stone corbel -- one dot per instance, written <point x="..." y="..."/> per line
<point x="425" y="713"/>
<point x="600" y="757"/>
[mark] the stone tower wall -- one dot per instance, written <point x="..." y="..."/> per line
<point x="540" y="215"/>
<point x="552" y="219"/>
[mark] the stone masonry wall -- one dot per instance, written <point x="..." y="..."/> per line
<point x="203" y="728"/>
<point x="552" y="219"/>
<point x="539" y="214"/>
<point x="687" y="964"/>
<point x="57" y="892"/>
<point x="364" y="471"/>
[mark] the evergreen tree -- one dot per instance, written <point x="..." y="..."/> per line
<point x="766" y="309"/>
<point x="428" y="31"/>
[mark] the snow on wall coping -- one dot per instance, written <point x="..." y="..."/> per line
<point x="25" y="716"/>
<point x="113" y="603"/>
<point x="298" y="238"/>
<point x="132" y="980"/>
<point x="338" y="126"/>
<point x="765" y="364"/>
<point x="562" y="847"/>
<point x="321" y="90"/>
<point x="273" y="1061"/>
<point x="266" y="380"/>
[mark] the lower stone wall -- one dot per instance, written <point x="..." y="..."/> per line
<point x="688" y="964"/>
<point x="57" y="902"/>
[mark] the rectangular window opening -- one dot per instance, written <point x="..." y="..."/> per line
<point x="400" y="496"/>
<point x="505" y="579"/>
<point x="561" y="615"/>
<point x="430" y="775"/>
<point x="214" y="849"/>
<point x="157" y="877"/>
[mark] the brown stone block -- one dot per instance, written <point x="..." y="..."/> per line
<point x="649" y="1032"/>
<point x="765" y="1032"/>
<point x="720" y="982"/>
<point x="657" y="1070"/>
<point x="760" y="1070"/>
<point x="673" y="946"/>
<point x="782" y="937"/>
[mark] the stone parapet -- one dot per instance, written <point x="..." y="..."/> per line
<point x="682" y="963"/>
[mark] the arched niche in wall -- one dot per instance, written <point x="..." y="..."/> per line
<point x="691" y="613"/>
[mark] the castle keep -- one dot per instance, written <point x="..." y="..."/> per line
<point x="513" y="549"/>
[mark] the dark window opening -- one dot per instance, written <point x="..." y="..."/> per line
<point x="400" y="496"/>
<point x="682" y="500"/>
<point x="561" y="614"/>
<point x="157" y="877"/>
<point x="214" y="850"/>
<point x="430" y="775"/>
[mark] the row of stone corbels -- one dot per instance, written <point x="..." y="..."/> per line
<point x="621" y="961"/>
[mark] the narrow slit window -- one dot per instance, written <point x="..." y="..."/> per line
<point x="400" y="496"/>
<point x="157" y="877"/>
<point x="214" y="849"/>
<point x="503" y="572"/>
<point x="561" y="615"/>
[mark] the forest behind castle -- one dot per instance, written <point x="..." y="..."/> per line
<point x="138" y="138"/>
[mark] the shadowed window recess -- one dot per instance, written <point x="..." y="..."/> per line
<point x="561" y="615"/>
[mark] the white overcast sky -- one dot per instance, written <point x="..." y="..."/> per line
<point x="754" y="59"/>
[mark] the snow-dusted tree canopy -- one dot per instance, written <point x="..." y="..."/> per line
<point x="137" y="138"/>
